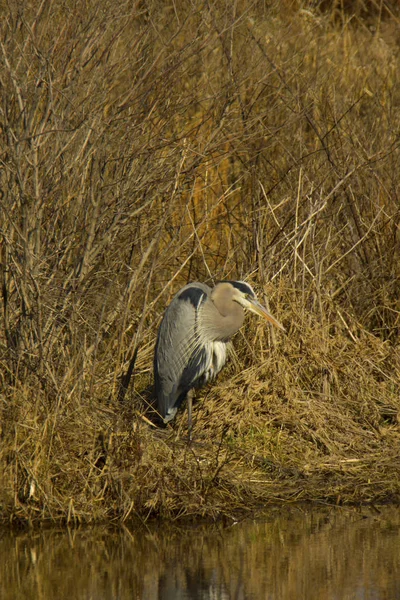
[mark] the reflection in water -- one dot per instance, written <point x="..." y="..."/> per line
<point x="292" y="554"/>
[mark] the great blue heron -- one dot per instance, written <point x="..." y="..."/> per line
<point x="192" y="339"/>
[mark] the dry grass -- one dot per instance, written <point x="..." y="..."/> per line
<point x="145" y="145"/>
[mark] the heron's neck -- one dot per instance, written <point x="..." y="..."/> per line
<point x="220" y="324"/>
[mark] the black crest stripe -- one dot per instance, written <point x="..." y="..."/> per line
<point x="243" y="287"/>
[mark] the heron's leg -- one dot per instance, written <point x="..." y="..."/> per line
<point x="189" y="405"/>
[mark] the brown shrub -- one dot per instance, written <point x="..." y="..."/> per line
<point x="143" y="146"/>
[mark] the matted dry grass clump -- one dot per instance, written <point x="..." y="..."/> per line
<point x="144" y="146"/>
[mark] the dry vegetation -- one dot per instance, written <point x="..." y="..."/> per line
<point x="146" y="144"/>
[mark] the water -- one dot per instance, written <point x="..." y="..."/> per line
<point x="290" y="554"/>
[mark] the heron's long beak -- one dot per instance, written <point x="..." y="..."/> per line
<point x="255" y="307"/>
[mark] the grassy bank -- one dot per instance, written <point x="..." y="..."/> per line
<point x="146" y="145"/>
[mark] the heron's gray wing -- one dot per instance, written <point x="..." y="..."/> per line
<point x="177" y="343"/>
<point x="199" y="360"/>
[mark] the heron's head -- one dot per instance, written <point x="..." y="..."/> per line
<point x="242" y="293"/>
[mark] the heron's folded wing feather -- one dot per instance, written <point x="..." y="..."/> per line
<point x="177" y="342"/>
